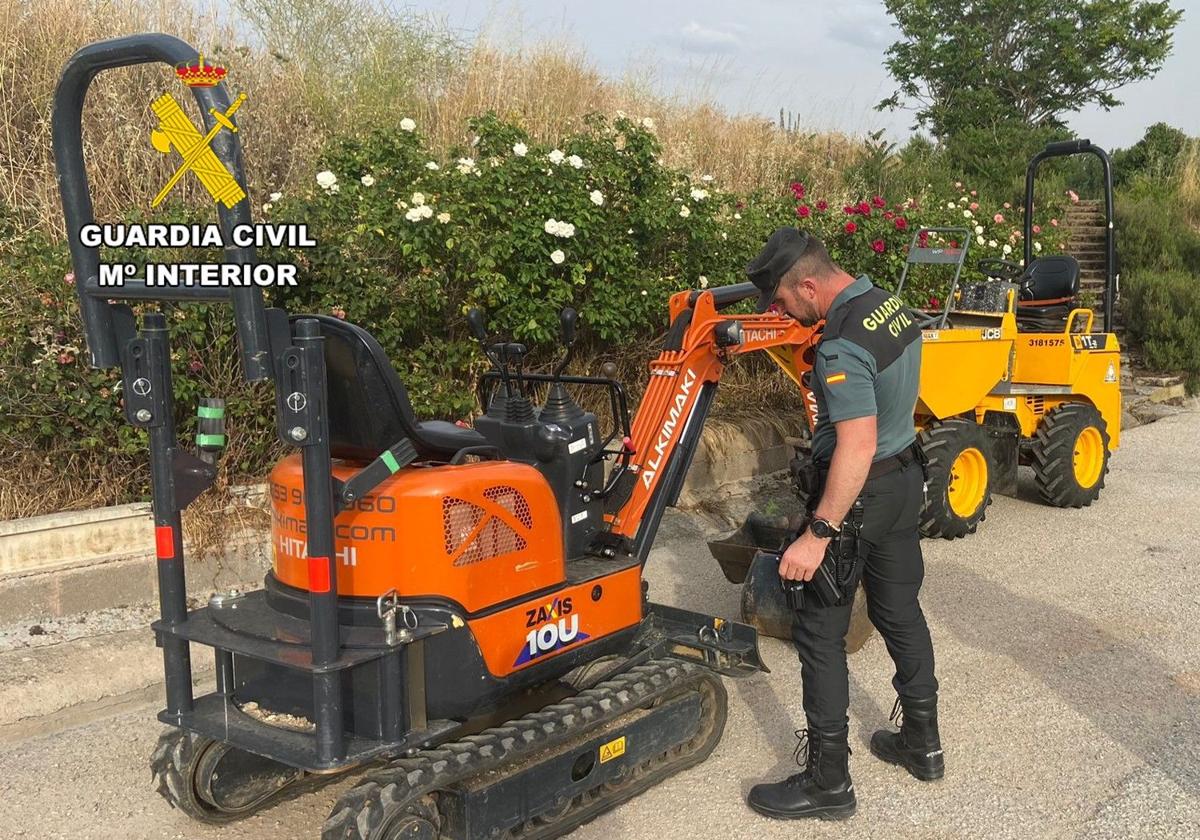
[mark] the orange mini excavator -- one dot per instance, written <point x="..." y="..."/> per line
<point x="460" y="612"/>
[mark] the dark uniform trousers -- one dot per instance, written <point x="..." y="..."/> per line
<point x="892" y="576"/>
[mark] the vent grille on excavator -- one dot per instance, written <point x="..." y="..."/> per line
<point x="467" y="542"/>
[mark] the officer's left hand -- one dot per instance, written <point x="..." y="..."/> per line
<point x="802" y="557"/>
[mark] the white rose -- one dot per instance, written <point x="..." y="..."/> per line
<point x="273" y="197"/>
<point x="368" y="180"/>
<point x="979" y="240"/>
<point x="267" y="207"/>
<point x="335" y="189"/>
<point x="466" y="165"/>
<point x="493" y="162"/>
<point x="565" y="229"/>
<point x="407" y="124"/>
<point x="418" y="198"/>
<point x="1037" y="246"/>
<point x="706" y="178"/>
<point x="576" y="161"/>
<point x="967" y="214"/>
<point x="1007" y="249"/>
<point x="644" y="293"/>
<point x="443" y="217"/>
<point x="962" y="200"/>
<point x="556" y="157"/>
<point x="557" y="256"/>
<point x="703" y="282"/>
<point x="520" y="149"/>
<point x="326" y="179"/>
<point x="597" y="197"/>
<point x="737" y="215"/>
<point x="432" y="167"/>
<point x="978" y="229"/>
<point x="684" y="211"/>
<point x="699" y="195"/>
<point x="950" y="205"/>
<point x="401" y="205"/>
<point x="550" y="226"/>
<point x="992" y="243"/>
<point x="414" y="215"/>
<point x="425" y="210"/>
<point x="647" y="123"/>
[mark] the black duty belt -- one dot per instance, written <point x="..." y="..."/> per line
<point x="909" y="455"/>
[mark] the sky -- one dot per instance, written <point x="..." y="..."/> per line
<point x="821" y="61"/>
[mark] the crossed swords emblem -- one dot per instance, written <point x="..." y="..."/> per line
<point x="176" y="131"/>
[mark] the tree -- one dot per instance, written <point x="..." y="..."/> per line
<point x="993" y="65"/>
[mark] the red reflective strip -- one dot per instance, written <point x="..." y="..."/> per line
<point x="164" y="542"/>
<point x="318" y="574"/>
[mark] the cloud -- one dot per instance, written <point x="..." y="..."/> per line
<point x="697" y="38"/>
<point x="865" y="25"/>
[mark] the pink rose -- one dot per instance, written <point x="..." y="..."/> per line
<point x="1037" y="228"/>
<point x="974" y="205"/>
<point x="998" y="219"/>
<point x="1054" y="223"/>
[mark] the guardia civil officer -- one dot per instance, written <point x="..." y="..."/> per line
<point x="865" y="378"/>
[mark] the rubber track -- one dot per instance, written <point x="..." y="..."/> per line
<point x="405" y="784"/>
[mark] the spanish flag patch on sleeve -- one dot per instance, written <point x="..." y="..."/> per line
<point x="835" y="378"/>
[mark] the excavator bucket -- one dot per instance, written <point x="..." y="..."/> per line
<point x="750" y="556"/>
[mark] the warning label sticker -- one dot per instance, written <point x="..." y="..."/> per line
<point x="613" y="749"/>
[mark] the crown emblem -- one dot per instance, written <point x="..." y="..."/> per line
<point x="200" y="74"/>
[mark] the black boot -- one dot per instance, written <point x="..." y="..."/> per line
<point x="916" y="747"/>
<point x="824" y="788"/>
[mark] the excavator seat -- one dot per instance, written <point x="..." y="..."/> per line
<point x="369" y="408"/>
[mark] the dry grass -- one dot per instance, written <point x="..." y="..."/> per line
<point x="371" y="66"/>
<point x="1187" y="181"/>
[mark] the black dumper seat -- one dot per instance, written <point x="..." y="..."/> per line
<point x="1048" y="289"/>
<point x="369" y="408"/>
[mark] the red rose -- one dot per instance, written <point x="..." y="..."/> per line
<point x="889" y="215"/>
<point x="953" y="243"/>
<point x="878" y="201"/>
<point x="851" y="227"/>
<point x="934" y="303"/>
<point x="797" y="190"/>
<point x="864" y="208"/>
<point x="849" y="211"/>
<point x="901" y="223"/>
<point x="803" y="211"/>
<point x="877" y="246"/>
<point x="822" y="205"/>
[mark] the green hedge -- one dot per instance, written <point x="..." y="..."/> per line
<point x="407" y="242"/>
<point x="1162" y="314"/>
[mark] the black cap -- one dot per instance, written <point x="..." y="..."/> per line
<point x="785" y="246"/>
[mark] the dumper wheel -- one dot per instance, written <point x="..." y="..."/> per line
<point x="1070" y="455"/>
<point x="185" y="770"/>
<point x="960" y="478"/>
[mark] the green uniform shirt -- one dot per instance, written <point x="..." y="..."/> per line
<point x="867" y="363"/>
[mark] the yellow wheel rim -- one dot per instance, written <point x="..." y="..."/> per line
<point x="1088" y="458"/>
<point x="968" y="482"/>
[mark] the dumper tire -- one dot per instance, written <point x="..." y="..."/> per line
<point x="960" y="478"/>
<point x="1069" y="453"/>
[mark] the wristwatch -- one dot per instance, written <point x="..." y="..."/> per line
<point x="823" y="528"/>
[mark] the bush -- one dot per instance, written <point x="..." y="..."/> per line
<point x="408" y="240"/>
<point x="1153" y="236"/>
<point x="1162" y="314"/>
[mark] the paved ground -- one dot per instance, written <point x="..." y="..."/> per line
<point x="1068" y="648"/>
